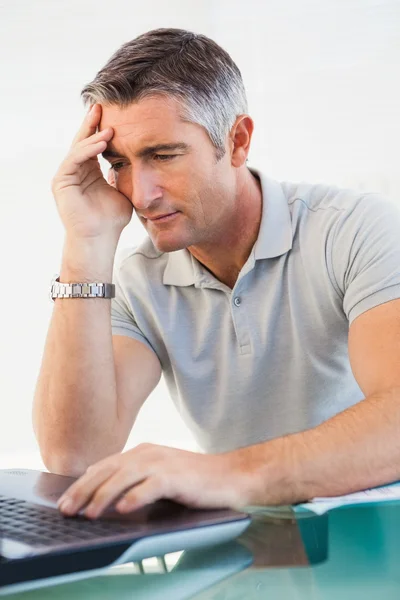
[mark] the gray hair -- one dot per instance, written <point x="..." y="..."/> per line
<point x="173" y="62"/>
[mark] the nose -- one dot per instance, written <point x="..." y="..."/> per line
<point x="145" y="188"/>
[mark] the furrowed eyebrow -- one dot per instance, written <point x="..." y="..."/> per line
<point x="147" y="151"/>
<point x="111" y="154"/>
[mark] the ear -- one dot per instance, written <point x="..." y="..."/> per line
<point x="240" y="138"/>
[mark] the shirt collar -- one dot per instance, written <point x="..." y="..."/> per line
<point x="180" y="269"/>
<point x="274" y="238"/>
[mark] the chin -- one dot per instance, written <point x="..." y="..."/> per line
<point x="165" y="243"/>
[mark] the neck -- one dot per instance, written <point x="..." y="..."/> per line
<point x="225" y="256"/>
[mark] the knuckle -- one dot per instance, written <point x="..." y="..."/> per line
<point x="106" y="467"/>
<point x="101" y="495"/>
<point x="75" y="146"/>
<point x="161" y="482"/>
<point x="130" y="495"/>
<point x="55" y="179"/>
<point x="91" y="469"/>
<point x="144" y="446"/>
<point x="112" y="462"/>
<point x="125" y="471"/>
<point x="75" y="494"/>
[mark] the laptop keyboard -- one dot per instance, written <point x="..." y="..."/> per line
<point x="40" y="526"/>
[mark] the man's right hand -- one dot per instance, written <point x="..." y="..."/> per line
<point x="89" y="207"/>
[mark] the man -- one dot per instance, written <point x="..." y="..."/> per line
<point x="273" y="310"/>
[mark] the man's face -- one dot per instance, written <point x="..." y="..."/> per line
<point x="169" y="171"/>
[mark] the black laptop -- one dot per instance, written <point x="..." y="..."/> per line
<point x="39" y="546"/>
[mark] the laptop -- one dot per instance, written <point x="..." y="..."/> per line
<point x="39" y="546"/>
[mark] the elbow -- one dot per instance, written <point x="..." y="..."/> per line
<point x="69" y="461"/>
<point x="59" y="460"/>
<point x="57" y="455"/>
<point x="61" y="463"/>
<point x="64" y="454"/>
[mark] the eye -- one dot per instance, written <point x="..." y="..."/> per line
<point x="117" y="166"/>
<point x="164" y="157"/>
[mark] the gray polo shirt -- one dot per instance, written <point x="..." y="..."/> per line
<point x="269" y="357"/>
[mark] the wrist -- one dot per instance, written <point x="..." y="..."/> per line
<point x="88" y="260"/>
<point x="269" y="472"/>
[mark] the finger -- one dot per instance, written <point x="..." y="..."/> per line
<point x="101" y="136"/>
<point x="82" y="490"/>
<point x="89" y="124"/>
<point x="111" y="177"/>
<point x="152" y="489"/>
<point x="110" y="490"/>
<point x="80" y="155"/>
<point x="104" y="134"/>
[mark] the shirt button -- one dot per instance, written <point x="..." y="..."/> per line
<point x="237" y="301"/>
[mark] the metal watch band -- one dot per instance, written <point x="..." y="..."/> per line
<point x="81" y="290"/>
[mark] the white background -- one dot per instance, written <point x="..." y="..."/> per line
<point x="322" y="79"/>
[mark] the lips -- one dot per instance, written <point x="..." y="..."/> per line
<point x="161" y="218"/>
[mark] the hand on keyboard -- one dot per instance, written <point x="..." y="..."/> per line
<point x="150" y="472"/>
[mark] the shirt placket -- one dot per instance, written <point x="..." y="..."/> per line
<point x="239" y="318"/>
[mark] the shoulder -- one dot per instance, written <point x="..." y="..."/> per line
<point x="320" y="196"/>
<point x="336" y="207"/>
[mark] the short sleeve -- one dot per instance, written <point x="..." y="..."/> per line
<point x="122" y="318"/>
<point x="366" y="254"/>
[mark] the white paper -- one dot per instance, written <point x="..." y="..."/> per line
<point x="381" y="494"/>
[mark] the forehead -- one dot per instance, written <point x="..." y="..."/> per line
<point x="149" y="120"/>
<point x="148" y="109"/>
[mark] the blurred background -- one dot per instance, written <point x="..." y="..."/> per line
<point x="322" y="81"/>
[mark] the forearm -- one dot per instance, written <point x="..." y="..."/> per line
<point x="354" y="450"/>
<point x="75" y="405"/>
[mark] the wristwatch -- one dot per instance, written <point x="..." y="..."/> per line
<point x="81" y="290"/>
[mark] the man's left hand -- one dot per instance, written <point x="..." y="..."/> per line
<point x="150" y="472"/>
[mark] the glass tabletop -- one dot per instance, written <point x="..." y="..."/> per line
<point x="351" y="552"/>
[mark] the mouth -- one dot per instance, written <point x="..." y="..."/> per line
<point x="163" y="218"/>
